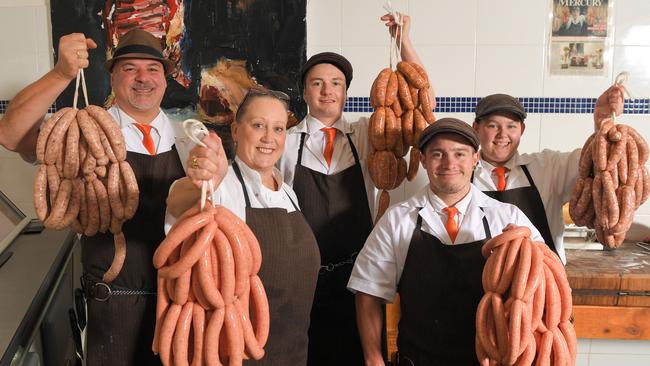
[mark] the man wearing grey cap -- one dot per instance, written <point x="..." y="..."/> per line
<point x="325" y="163"/>
<point x="539" y="183"/>
<point x="428" y="249"/>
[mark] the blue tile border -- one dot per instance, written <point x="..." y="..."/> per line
<point x="547" y="105"/>
<point x="5" y="103"/>
<point x="531" y="104"/>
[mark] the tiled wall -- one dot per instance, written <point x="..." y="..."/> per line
<point x="485" y="47"/>
<point x="470" y="50"/>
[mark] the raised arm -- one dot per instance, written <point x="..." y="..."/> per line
<point x="408" y="51"/>
<point x="203" y="163"/>
<point x="611" y="101"/>
<point x="19" y="126"/>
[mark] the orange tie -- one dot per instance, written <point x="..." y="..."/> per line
<point x="329" y="147"/>
<point x="500" y="172"/>
<point x="451" y="225"/>
<point x="147" y="140"/>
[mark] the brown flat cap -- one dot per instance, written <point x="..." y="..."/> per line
<point x="448" y="125"/>
<point x="335" y="59"/>
<point x="137" y="43"/>
<point x="499" y="103"/>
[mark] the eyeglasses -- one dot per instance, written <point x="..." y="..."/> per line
<point x="258" y="92"/>
<point x="262" y="91"/>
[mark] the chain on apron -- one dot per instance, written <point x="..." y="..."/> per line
<point x="329" y="267"/>
<point x="98" y="290"/>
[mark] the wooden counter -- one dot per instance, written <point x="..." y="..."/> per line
<point x="611" y="292"/>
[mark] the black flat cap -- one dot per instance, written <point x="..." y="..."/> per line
<point x="499" y="103"/>
<point x="335" y="59"/>
<point x="448" y="125"/>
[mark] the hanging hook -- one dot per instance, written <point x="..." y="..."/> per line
<point x="195" y="130"/>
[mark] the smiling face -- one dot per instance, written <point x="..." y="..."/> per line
<point x="449" y="162"/>
<point x="325" y="93"/>
<point x="139" y="86"/>
<point x="260" y="133"/>
<point x="499" y="136"/>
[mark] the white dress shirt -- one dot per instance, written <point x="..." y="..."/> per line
<point x="380" y="263"/>
<point x="342" y="157"/>
<point x="164" y="131"/>
<point x="231" y="195"/>
<point x="554" y="173"/>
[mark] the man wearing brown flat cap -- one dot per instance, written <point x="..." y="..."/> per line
<point x="428" y="249"/>
<point x="325" y="163"/>
<point x="538" y="183"/>
<point x="120" y="321"/>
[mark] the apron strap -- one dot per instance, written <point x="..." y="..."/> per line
<point x="289" y="197"/>
<point x="235" y="167"/>
<point x="237" y="171"/>
<point x="486" y="226"/>
<point x="354" y="149"/>
<point x="530" y="179"/>
<point x="302" y="143"/>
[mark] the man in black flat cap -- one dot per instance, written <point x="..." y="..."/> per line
<point x="539" y="183"/>
<point x="120" y="321"/>
<point x="325" y="163"/>
<point x="428" y="249"/>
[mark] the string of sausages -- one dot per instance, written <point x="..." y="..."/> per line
<point x="402" y="111"/>
<point x="83" y="180"/>
<point x="612" y="183"/>
<point x="211" y="307"/>
<point x="523" y="318"/>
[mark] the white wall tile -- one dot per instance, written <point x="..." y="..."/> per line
<point x="632" y="24"/>
<point x="450" y="68"/>
<point x="21" y="71"/>
<point x="360" y="23"/>
<point x="323" y="23"/>
<point x="511" y="22"/>
<point x="509" y="69"/>
<point x="530" y="140"/>
<point x="576" y="86"/>
<point x="16" y="180"/>
<point x="17" y="3"/>
<point x="610" y="346"/>
<point x="44" y="51"/>
<point x="584" y="345"/>
<point x="318" y="49"/>
<point x="565" y="132"/>
<point x="634" y="59"/>
<point x="582" y="360"/>
<point x="367" y="62"/>
<point x="627" y="360"/>
<point x="443" y="22"/>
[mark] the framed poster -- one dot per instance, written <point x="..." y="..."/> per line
<point x="579" y="37"/>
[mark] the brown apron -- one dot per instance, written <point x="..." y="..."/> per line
<point x="120" y="329"/>
<point x="289" y="271"/>
<point x="439" y="289"/>
<point x="529" y="201"/>
<point x="336" y="208"/>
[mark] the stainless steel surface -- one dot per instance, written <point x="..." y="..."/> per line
<point x="23" y="275"/>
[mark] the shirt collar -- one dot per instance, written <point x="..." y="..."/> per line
<point x="254" y="176"/>
<point x="515" y="161"/>
<point x="438" y="204"/>
<point x="125" y="120"/>
<point x="311" y="125"/>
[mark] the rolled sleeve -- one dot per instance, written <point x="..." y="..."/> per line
<point x="379" y="265"/>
